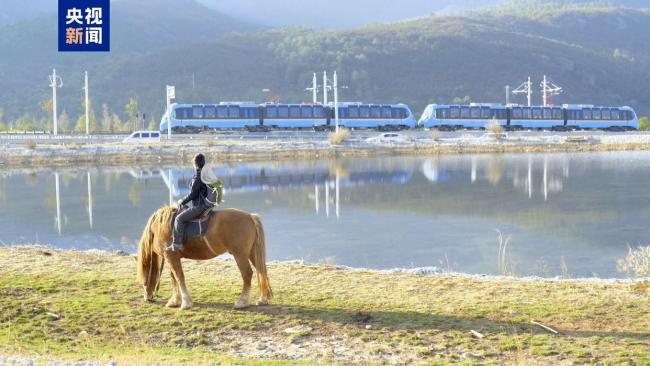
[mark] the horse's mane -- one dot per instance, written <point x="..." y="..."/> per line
<point x="157" y="221"/>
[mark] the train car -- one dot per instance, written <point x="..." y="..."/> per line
<point x="197" y="117"/>
<point x="294" y="116"/>
<point x="256" y="117"/>
<point x="591" y="117"/>
<point x="453" y="117"/>
<point x="375" y="116"/>
<point x="567" y="117"/>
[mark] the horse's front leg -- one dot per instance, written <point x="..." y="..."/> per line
<point x="177" y="271"/>
<point x="175" y="300"/>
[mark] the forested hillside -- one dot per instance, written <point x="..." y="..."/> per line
<point x="599" y="54"/>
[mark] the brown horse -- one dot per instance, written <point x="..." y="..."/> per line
<point x="236" y="232"/>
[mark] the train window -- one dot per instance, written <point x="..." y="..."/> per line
<point x="547" y="113"/>
<point x="233" y="111"/>
<point x="364" y="111"/>
<point x="454" y="112"/>
<point x="442" y="113"/>
<point x="210" y="111"/>
<point x="596" y="113"/>
<point x="464" y="112"/>
<point x="475" y="112"/>
<point x="385" y="112"/>
<point x="537" y="113"/>
<point x="499" y="113"/>
<point x="486" y="113"/>
<point x="396" y="113"/>
<point x="586" y="114"/>
<point x="527" y="113"/>
<point x="557" y="113"/>
<point x="517" y="114"/>
<point x="343" y="112"/>
<point x="294" y="111"/>
<point x="222" y="111"/>
<point x="306" y="112"/>
<point x="607" y="114"/>
<point x="319" y="112"/>
<point x="283" y="111"/>
<point x="629" y="115"/>
<point x="616" y="114"/>
<point x="271" y="112"/>
<point x="572" y="115"/>
<point x="375" y="112"/>
<point x="183" y="113"/>
<point x="197" y="112"/>
<point x="253" y="112"/>
<point x="353" y="111"/>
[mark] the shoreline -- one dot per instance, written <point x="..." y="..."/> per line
<point x="44" y="154"/>
<point x="70" y="306"/>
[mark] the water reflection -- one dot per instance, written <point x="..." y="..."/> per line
<point x="571" y="214"/>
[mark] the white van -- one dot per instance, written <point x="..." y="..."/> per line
<point x="143" y="136"/>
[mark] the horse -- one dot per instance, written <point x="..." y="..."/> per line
<point x="229" y="230"/>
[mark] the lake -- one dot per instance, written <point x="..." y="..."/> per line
<point x="572" y="215"/>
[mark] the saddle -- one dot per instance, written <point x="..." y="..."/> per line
<point x="198" y="226"/>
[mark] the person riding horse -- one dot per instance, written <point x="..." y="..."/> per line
<point x="198" y="192"/>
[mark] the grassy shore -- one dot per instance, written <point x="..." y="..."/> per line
<point x="44" y="154"/>
<point x="69" y="305"/>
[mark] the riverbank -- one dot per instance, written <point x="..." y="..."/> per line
<point x="69" y="305"/>
<point x="230" y="148"/>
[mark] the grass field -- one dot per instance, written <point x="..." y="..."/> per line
<point x="68" y="305"/>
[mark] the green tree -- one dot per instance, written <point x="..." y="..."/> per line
<point x="132" y="113"/>
<point x="107" y="121"/>
<point x="644" y="124"/>
<point x="153" y="125"/>
<point x="81" y="123"/>
<point x="3" y="127"/>
<point x="46" y="107"/>
<point x="24" y="123"/>
<point x="64" y="122"/>
<point x="117" y="123"/>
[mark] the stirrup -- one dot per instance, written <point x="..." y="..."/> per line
<point x="174" y="247"/>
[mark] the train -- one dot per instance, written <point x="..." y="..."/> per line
<point x="270" y="116"/>
<point x="193" y="118"/>
<point x="559" y="118"/>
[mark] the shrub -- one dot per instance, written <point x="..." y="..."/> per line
<point x="337" y="138"/>
<point x="636" y="263"/>
<point x="30" y="144"/>
<point x="496" y="130"/>
<point x="644" y="124"/>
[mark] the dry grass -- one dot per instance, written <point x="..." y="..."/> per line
<point x="352" y="317"/>
<point x="30" y="144"/>
<point x="337" y="138"/>
<point x="636" y="263"/>
<point x="436" y="135"/>
<point x="496" y="130"/>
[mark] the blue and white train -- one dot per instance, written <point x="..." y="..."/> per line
<point x="566" y="117"/>
<point x="264" y="117"/>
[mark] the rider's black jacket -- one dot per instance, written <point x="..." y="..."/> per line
<point x="198" y="191"/>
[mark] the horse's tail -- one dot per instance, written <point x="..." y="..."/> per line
<point x="147" y="258"/>
<point x="259" y="259"/>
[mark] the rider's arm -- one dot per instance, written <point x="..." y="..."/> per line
<point x="194" y="193"/>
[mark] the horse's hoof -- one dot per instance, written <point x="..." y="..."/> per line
<point x="171" y="304"/>
<point x="239" y="306"/>
<point x="186" y="306"/>
<point x="262" y="302"/>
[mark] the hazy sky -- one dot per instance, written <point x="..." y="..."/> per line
<point x="336" y="13"/>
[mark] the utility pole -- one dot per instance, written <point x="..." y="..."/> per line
<point x="507" y="94"/>
<point x="324" y="87"/>
<point x="549" y="89"/>
<point x="336" y="106"/>
<point x="530" y="92"/>
<point x="55" y="82"/>
<point x="314" y="89"/>
<point x="525" y="88"/>
<point x="171" y="94"/>
<point x="86" y="103"/>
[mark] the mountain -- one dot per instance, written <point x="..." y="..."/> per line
<point x="599" y="54"/>
<point x="28" y="48"/>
